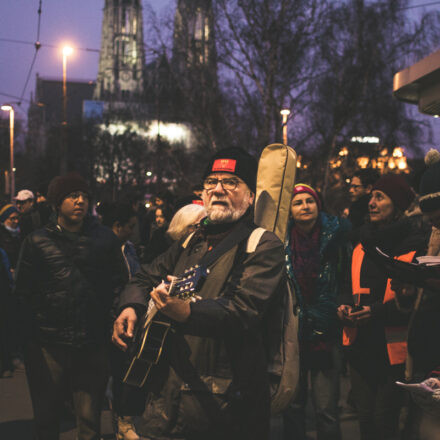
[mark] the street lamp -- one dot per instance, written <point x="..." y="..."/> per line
<point x="10" y="109"/>
<point x="285" y="112"/>
<point x="67" y="51"/>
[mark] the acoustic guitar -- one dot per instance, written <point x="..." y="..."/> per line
<point x="152" y="330"/>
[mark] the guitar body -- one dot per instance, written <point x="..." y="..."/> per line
<point x="152" y="330"/>
<point x="151" y="344"/>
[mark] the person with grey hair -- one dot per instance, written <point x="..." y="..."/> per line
<point x="185" y="221"/>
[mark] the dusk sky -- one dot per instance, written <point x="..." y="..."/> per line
<point x="73" y="22"/>
<point x="77" y="22"/>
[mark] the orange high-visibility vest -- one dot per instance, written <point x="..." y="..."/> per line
<point x="395" y="336"/>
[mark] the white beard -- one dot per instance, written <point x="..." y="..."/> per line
<point x="226" y="214"/>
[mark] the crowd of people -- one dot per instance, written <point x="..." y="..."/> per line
<point x="76" y="276"/>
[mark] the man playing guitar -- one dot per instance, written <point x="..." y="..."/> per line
<point x="212" y="380"/>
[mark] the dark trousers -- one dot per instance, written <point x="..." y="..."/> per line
<point x="10" y="331"/>
<point x="127" y="400"/>
<point x="378" y="401"/>
<point x="54" y="370"/>
<point x="6" y="334"/>
<point x="324" y="371"/>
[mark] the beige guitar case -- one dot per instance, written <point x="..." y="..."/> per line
<point x="275" y="182"/>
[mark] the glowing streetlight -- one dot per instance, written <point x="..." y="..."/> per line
<point x="10" y="109"/>
<point x="285" y="112"/>
<point x="67" y="51"/>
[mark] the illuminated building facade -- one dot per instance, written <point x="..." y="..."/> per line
<point x="122" y="58"/>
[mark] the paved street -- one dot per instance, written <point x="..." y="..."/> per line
<point x="16" y="415"/>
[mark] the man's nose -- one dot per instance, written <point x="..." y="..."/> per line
<point x="219" y="188"/>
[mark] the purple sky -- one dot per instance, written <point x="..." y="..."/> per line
<point x="77" y="22"/>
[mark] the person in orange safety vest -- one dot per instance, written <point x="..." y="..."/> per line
<point x="375" y="329"/>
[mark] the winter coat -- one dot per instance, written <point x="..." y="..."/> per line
<point x="425" y="325"/>
<point x="319" y="320"/>
<point x="369" y="349"/>
<point x="215" y="368"/>
<point x="66" y="283"/>
<point x="11" y="245"/>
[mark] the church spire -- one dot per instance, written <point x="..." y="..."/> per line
<point x="194" y="45"/>
<point x="122" y="58"/>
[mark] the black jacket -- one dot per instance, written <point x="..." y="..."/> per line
<point x="66" y="283"/>
<point x="215" y="364"/>
<point x="397" y="238"/>
<point x="11" y="245"/>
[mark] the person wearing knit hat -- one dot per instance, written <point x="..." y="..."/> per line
<point x="397" y="189"/>
<point x="235" y="301"/>
<point x="61" y="186"/>
<point x="6" y="211"/>
<point x="424" y="306"/>
<point x="235" y="161"/>
<point x="375" y="326"/>
<point x="68" y="274"/>
<point x="10" y="234"/>
<point x="304" y="188"/>
<point x="229" y="185"/>
<point x="317" y="249"/>
<point x="430" y="188"/>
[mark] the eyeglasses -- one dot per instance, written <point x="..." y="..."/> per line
<point x="227" y="184"/>
<point x="355" y="186"/>
<point x="15" y="218"/>
<point x="76" y="195"/>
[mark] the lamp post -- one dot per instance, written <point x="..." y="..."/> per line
<point x="67" y="50"/>
<point x="10" y="109"/>
<point x="285" y="112"/>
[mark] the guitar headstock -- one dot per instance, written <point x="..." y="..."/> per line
<point x="189" y="282"/>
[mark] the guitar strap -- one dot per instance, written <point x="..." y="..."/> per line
<point x="238" y="234"/>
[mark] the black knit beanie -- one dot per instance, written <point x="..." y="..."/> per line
<point x="430" y="183"/>
<point x="397" y="189"/>
<point x="61" y="186"/>
<point x="234" y="161"/>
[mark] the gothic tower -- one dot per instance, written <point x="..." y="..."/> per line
<point x="195" y="65"/>
<point x="122" y="57"/>
<point x="194" y="46"/>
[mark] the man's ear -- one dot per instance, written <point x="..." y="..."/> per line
<point x="252" y="197"/>
<point x="369" y="188"/>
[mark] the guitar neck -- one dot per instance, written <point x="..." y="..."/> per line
<point x="153" y="311"/>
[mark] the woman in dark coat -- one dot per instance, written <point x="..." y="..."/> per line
<point x="317" y="250"/>
<point x="375" y="332"/>
<point x="159" y="240"/>
<point x="10" y="235"/>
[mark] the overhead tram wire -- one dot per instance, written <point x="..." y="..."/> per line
<point x="52" y="46"/>
<point x="14" y="97"/>
<point x="37" y="46"/>
<point x="420" y="6"/>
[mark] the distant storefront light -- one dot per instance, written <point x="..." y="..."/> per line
<point x="171" y="132"/>
<point x="365" y="139"/>
<point x="398" y="152"/>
